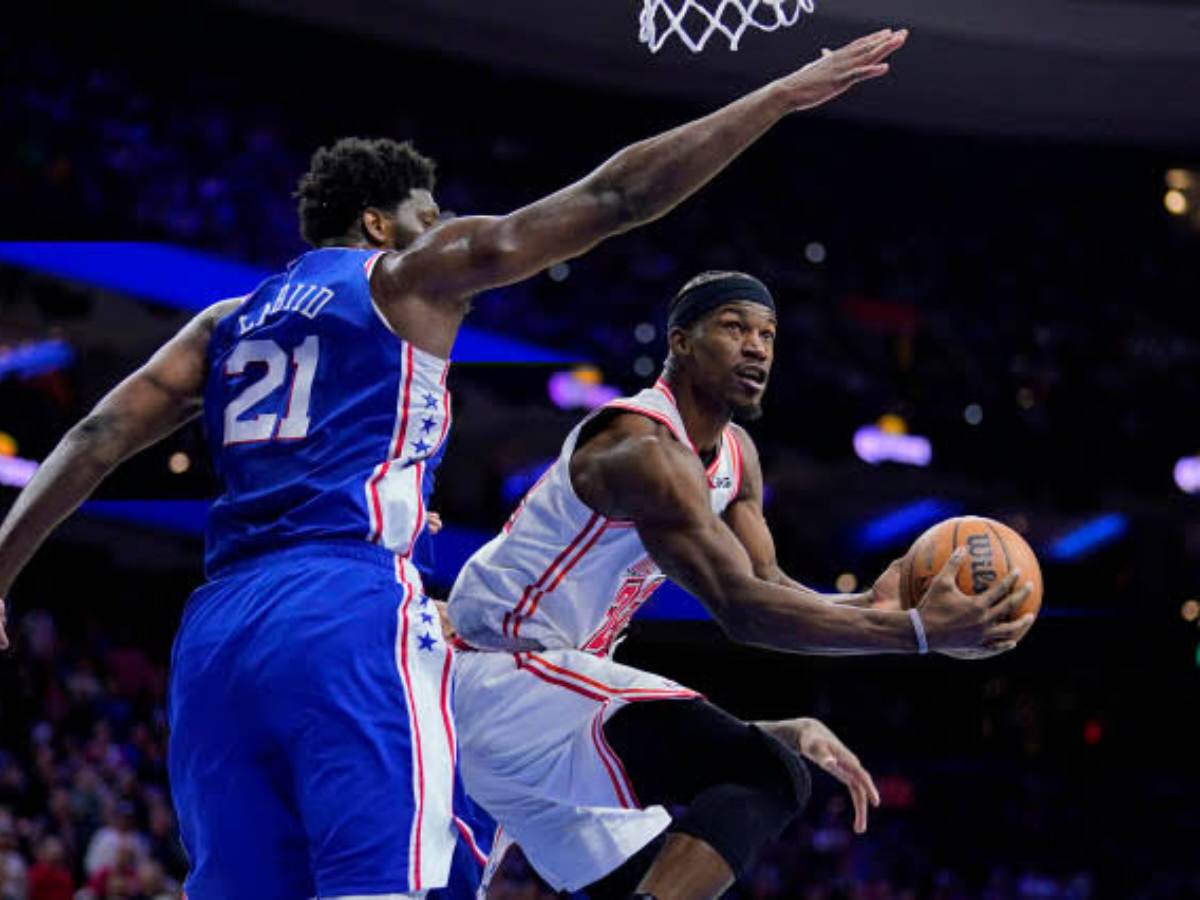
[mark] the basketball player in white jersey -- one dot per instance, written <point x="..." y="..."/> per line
<point x="576" y="755"/>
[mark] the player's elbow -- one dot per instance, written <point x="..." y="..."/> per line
<point x="616" y="203"/>
<point x="739" y="618"/>
<point x="96" y="441"/>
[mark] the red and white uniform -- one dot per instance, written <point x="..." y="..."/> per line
<point x="543" y="604"/>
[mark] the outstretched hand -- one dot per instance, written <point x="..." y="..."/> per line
<point x="839" y="70"/>
<point x="821" y="746"/>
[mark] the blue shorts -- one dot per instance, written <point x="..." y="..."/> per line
<point x="312" y="746"/>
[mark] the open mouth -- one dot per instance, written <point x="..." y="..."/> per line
<point x="753" y="378"/>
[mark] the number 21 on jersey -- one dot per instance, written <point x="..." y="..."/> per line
<point x="290" y="420"/>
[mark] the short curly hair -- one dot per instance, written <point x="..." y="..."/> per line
<point x="344" y="179"/>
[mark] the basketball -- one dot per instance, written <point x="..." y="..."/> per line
<point x="993" y="550"/>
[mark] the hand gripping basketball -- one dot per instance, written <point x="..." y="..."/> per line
<point x="839" y="70"/>
<point x="962" y="625"/>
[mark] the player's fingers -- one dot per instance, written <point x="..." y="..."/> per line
<point x="1005" y="632"/>
<point x="884" y="48"/>
<point x="864" y="778"/>
<point x="949" y="573"/>
<point x="859" y="795"/>
<point x="1000" y="590"/>
<point x="868" y="40"/>
<point x="1008" y="606"/>
<point x="866" y="73"/>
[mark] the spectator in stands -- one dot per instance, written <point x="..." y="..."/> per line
<point x="116" y="839"/>
<point x="13" y="875"/>
<point x="50" y="877"/>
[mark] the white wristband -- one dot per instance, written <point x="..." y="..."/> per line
<point x="919" y="629"/>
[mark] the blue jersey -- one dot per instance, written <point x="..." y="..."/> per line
<point x="322" y="423"/>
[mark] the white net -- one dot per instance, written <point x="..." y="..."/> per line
<point x="695" y="21"/>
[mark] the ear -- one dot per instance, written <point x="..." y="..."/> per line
<point x="679" y="341"/>
<point x="378" y="228"/>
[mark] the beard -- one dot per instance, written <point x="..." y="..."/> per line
<point x="748" y="412"/>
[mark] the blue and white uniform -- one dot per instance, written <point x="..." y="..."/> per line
<point x="312" y="745"/>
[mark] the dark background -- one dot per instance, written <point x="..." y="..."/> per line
<point x="1032" y="270"/>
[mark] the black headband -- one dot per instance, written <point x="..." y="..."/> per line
<point x="697" y="302"/>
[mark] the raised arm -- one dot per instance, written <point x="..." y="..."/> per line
<point x="145" y="407"/>
<point x="745" y="518"/>
<point x="637" y="185"/>
<point x="635" y="470"/>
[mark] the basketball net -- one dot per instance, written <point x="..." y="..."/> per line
<point x="695" y="21"/>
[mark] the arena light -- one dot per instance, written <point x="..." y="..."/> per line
<point x="874" y="445"/>
<point x="899" y="524"/>
<point x="582" y="388"/>
<point x="1180" y="179"/>
<point x="1089" y="536"/>
<point x="190" y="280"/>
<point x="1187" y="474"/>
<point x="1176" y="202"/>
<point x="35" y="358"/>
<point x="16" y="472"/>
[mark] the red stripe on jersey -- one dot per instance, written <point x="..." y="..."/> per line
<point x="608" y="766"/>
<point x="735" y="449"/>
<point x="550" y="679"/>
<point x="376" y="506"/>
<point x="451" y="742"/>
<point x="712" y="469"/>
<point x="666" y="391"/>
<point x="419" y="468"/>
<point x="402" y="434"/>
<point x="529" y="589"/>
<point x="445" y="410"/>
<point x="415" y="864"/>
<point x="469" y="837"/>
<point x="612" y="754"/>
<point x="592" y="683"/>
<point x="395" y="449"/>
<point x="369" y="263"/>
<point x="537" y="597"/>
<point x="657" y="416"/>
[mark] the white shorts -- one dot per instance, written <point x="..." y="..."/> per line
<point x="532" y="753"/>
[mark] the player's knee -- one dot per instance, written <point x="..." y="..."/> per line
<point x="739" y="819"/>
<point x="793" y="781"/>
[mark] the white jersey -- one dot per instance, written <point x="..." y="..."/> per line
<point x="560" y="575"/>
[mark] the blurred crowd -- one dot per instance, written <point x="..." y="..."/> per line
<point x="85" y="811"/>
<point x="84" y="807"/>
<point x="918" y="275"/>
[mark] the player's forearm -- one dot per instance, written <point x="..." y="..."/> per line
<point x="69" y="475"/>
<point x="803" y="621"/>
<point x="781" y="578"/>
<point x="651" y="177"/>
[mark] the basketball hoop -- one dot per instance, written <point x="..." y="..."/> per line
<point x="695" y="21"/>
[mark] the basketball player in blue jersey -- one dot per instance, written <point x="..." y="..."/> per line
<point x="312" y="744"/>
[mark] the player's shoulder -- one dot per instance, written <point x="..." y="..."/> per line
<point x="618" y="431"/>
<point x="745" y="441"/>
<point x="632" y="450"/>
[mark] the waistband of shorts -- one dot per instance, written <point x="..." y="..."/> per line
<point x="342" y="548"/>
